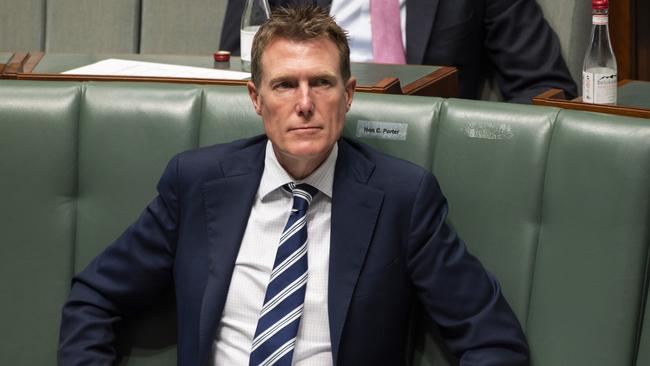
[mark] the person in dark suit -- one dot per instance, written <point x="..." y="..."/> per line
<point x="378" y="242"/>
<point x="509" y="39"/>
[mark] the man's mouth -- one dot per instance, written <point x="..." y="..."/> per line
<point x="305" y="129"/>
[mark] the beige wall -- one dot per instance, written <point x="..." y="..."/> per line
<point x="115" y="26"/>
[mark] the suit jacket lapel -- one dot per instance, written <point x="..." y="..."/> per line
<point x="228" y="203"/>
<point x="420" y="16"/>
<point x="355" y="208"/>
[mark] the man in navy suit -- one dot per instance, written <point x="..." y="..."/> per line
<point x="509" y="39"/>
<point x="378" y="241"/>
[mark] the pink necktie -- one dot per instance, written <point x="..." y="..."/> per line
<point x="386" y="32"/>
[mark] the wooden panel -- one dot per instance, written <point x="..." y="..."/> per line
<point x="556" y="98"/>
<point x="622" y="32"/>
<point x="630" y="33"/>
<point x="643" y="40"/>
<point x="14" y="65"/>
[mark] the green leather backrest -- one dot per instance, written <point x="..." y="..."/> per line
<point x="38" y="181"/>
<point x="219" y="125"/>
<point x="588" y="286"/>
<point x="127" y="134"/>
<point x="555" y="203"/>
<point x="490" y="161"/>
<point x="416" y="116"/>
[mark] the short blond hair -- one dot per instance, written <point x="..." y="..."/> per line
<point x="299" y="23"/>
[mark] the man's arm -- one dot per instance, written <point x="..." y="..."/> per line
<point x="125" y="278"/>
<point x="524" y="51"/>
<point x="455" y="290"/>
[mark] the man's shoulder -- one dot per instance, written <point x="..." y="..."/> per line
<point x="399" y="180"/>
<point x="385" y="167"/>
<point x="210" y="162"/>
<point x="223" y="150"/>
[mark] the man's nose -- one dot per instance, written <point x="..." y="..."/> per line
<point x="305" y="103"/>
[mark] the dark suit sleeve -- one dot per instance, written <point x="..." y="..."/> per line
<point x="524" y="51"/>
<point x="125" y="278"/>
<point x="457" y="293"/>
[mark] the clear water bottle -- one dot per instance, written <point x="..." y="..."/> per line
<point x="256" y="12"/>
<point x="599" y="74"/>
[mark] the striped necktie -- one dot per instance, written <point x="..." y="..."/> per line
<point x="279" y="320"/>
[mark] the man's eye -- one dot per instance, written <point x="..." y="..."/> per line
<point x="323" y="82"/>
<point x="283" y="85"/>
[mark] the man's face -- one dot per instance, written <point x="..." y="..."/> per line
<point x="302" y="100"/>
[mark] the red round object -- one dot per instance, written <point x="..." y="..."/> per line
<point x="599" y="4"/>
<point x="222" y="56"/>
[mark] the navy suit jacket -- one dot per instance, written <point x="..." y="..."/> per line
<point x="509" y="39"/>
<point x="390" y="248"/>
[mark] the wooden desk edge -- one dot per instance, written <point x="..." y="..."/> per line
<point x="555" y="94"/>
<point x="441" y="83"/>
<point x="73" y="77"/>
<point x="14" y="65"/>
<point x="388" y="85"/>
<point x="33" y="58"/>
<point x="556" y="98"/>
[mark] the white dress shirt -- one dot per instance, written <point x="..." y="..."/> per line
<point x="354" y="17"/>
<point x="254" y="263"/>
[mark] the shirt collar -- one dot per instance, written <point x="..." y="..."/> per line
<point x="274" y="175"/>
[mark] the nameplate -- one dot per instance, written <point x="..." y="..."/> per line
<point x="382" y="130"/>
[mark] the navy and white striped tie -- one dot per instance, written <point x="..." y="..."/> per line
<point x="279" y="320"/>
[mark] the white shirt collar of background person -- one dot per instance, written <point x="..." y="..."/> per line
<point x="354" y="17"/>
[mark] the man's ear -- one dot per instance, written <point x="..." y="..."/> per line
<point x="349" y="91"/>
<point x="252" y="92"/>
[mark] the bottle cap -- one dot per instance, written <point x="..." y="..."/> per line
<point x="599" y="4"/>
<point x="222" y="56"/>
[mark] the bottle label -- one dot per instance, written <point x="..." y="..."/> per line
<point x="599" y="87"/>
<point x="246" y="36"/>
<point x="599" y="19"/>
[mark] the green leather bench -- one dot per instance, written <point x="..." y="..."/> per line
<point x="556" y="203"/>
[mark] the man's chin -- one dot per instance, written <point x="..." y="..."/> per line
<point x="306" y="132"/>
<point x="307" y="152"/>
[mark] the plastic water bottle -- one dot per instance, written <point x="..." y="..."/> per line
<point x="256" y="12"/>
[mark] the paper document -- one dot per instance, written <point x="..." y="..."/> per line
<point x="113" y="66"/>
